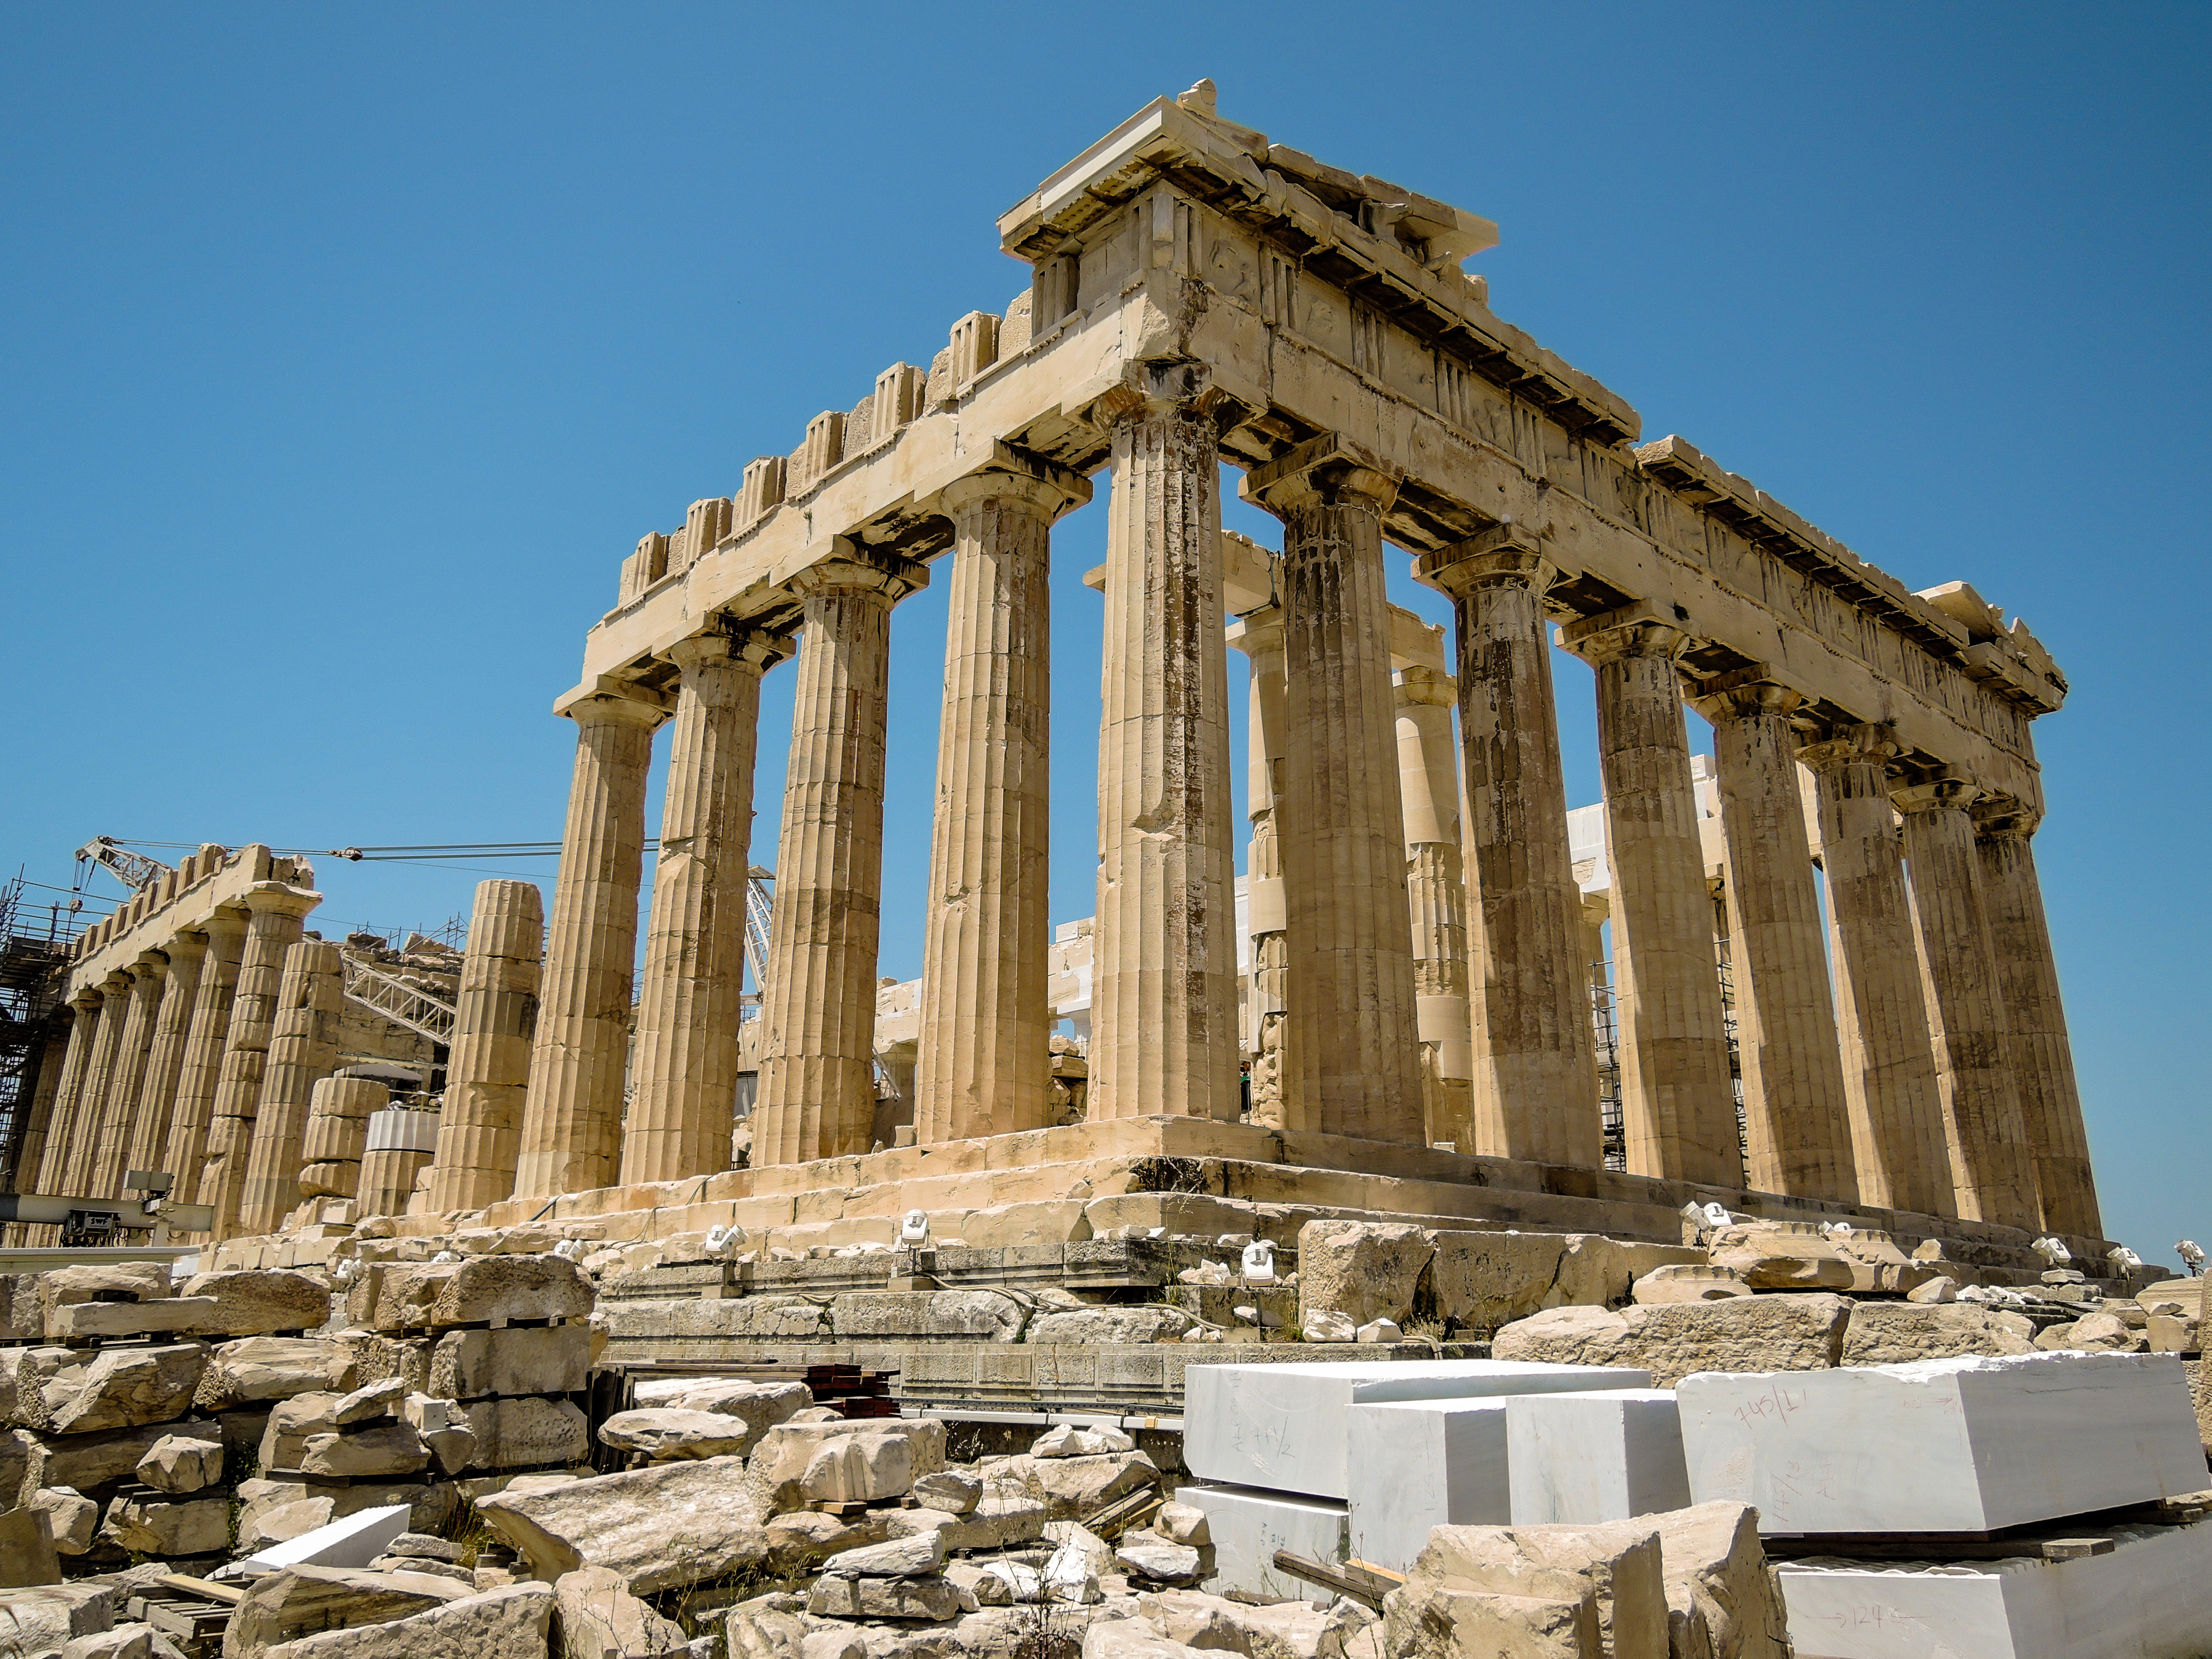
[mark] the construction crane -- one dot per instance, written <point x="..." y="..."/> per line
<point x="136" y="871"/>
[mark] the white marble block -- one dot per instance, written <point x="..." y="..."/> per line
<point x="2144" y="1599"/>
<point x="1970" y="1444"/>
<point x="1576" y="1458"/>
<point x="351" y="1540"/>
<point x="1416" y="1464"/>
<point x="1248" y="1527"/>
<point x="1283" y="1427"/>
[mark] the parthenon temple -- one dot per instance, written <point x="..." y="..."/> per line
<point x="1401" y="1026"/>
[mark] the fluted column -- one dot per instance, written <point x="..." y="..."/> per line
<point x="2037" y="1052"/>
<point x="1993" y="1164"/>
<point x="572" y="1117"/>
<point x="118" y="1118"/>
<point x="1259" y="635"/>
<point x="165" y="1061"/>
<point x="488" y="1064"/>
<point x="1355" y="1065"/>
<point x="202" y="1068"/>
<point x="1437" y="892"/>
<point x="45" y="1089"/>
<point x="984" y="1066"/>
<point x="273" y="927"/>
<point x="1881" y="1015"/>
<point x="1535" y="1093"/>
<point x="1797" y="1125"/>
<point x="303" y="1050"/>
<point x="817" y="1094"/>
<point x="1678" y="1108"/>
<point x="684" y="1089"/>
<point x="1163" y="1037"/>
<point x="337" y="1129"/>
<point x="49" y="1175"/>
<point x="80" y="1158"/>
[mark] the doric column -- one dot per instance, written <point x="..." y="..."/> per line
<point x="984" y="1066"/>
<point x="817" y="1095"/>
<point x="1535" y="1094"/>
<point x="1355" y="1065"/>
<point x="488" y="1065"/>
<point x="1259" y="635"/>
<point x="80" y="1158"/>
<point x="165" y="1061"/>
<point x="49" y="1175"/>
<point x="684" y="1089"/>
<point x="303" y="1049"/>
<point x="1797" y="1128"/>
<point x="202" y="1069"/>
<point x="273" y="927"/>
<point x="338" y="1127"/>
<point x="118" y="1120"/>
<point x="572" y="1119"/>
<point x="1436" y="887"/>
<point x="2038" y="1053"/>
<point x="1881" y="1016"/>
<point x="1677" y="1106"/>
<point x="1163" y="1035"/>
<point x="1993" y="1164"/>
<point x="53" y="1061"/>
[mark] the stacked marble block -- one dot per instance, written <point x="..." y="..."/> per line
<point x="1358" y="1461"/>
<point x="1972" y="1446"/>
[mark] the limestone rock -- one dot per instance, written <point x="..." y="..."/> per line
<point x="481" y="1290"/>
<point x="1115" y="1324"/>
<point x="132" y="1641"/>
<point x="859" y="1468"/>
<point x="2096" y="1332"/>
<point x="1614" y="1567"/>
<point x="544" y="1359"/>
<point x="511" y="1622"/>
<point x="253" y="1302"/>
<point x="299" y="1601"/>
<point x="1129" y="1638"/>
<point x="1785" y="1257"/>
<point x="137" y="1281"/>
<point x="47" y="1619"/>
<point x="1327" y="1325"/>
<point x="1933" y="1292"/>
<point x="292" y="1424"/>
<point x="1363" y="1269"/>
<point x="180" y="1463"/>
<point x="1723" y="1601"/>
<point x="1068" y="1487"/>
<point x="804" y="1538"/>
<point x="1065" y="1440"/>
<point x="785" y="1454"/>
<point x="932" y="1599"/>
<point x="917" y="1557"/>
<point x="663" y="1433"/>
<point x="370" y="1401"/>
<point x="954" y="1491"/>
<point x="1457" y="1622"/>
<point x="189" y="1526"/>
<point x="382" y="1449"/>
<point x="759" y="1405"/>
<point x="1182" y="1523"/>
<point x="75" y="1321"/>
<point x="670" y="1524"/>
<point x="1377" y="1331"/>
<point x="1687" y="1283"/>
<point x="1897" y="1333"/>
<point x="1172" y="1563"/>
<point x="125" y="1387"/>
<point x="767" y="1627"/>
<point x="72" y="1519"/>
<point x="520" y="1434"/>
<point x="27" y="1555"/>
<point x="88" y="1460"/>
<point x="424" y="1543"/>
<point x="22" y="1317"/>
<point x="1287" y="1630"/>
<point x="596" y="1617"/>
<point x="257" y="1368"/>
<point x="1744" y="1334"/>
<point x="1075" y="1545"/>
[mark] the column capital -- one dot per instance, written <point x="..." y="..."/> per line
<point x="189" y="944"/>
<point x="1848" y="745"/>
<point x="614" y="705"/>
<point x="1015" y="474"/>
<point x="737" y="645"/>
<point x="228" y="922"/>
<point x="1746" y="694"/>
<point x="2004" y="818"/>
<point x="149" y="964"/>
<point x="1630" y="630"/>
<point x="1156" y="389"/>
<point x="1328" y="471"/>
<point x="1937" y="795"/>
<point x="1415" y="685"/>
<point x="85" y="1000"/>
<point x="1258" y="633"/>
<point x="116" y="984"/>
<point x="1508" y="554"/>
<point x="277" y="898"/>
<point x="855" y="567"/>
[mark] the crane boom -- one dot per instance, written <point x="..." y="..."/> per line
<point x="134" y="870"/>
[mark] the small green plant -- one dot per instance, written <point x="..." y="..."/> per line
<point x="1045" y="1629"/>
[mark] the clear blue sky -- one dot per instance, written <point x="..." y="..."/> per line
<point x="350" y="349"/>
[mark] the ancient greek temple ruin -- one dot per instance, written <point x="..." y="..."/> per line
<point x="1412" y="1034"/>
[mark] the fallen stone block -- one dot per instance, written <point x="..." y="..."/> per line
<point x="766" y="1627"/>
<point x="1285" y="1629"/>
<point x="920" y="1556"/>
<point x="1181" y="1523"/>
<point x="132" y="1641"/>
<point x="1129" y="1638"/>
<point x="139" y="1281"/>
<point x="931" y="1599"/>
<point x="303" y="1600"/>
<point x="27" y="1555"/>
<point x="1574" y="1459"/>
<point x="368" y="1402"/>
<point x="545" y="1359"/>
<point x="803" y="1540"/>
<point x="1685" y="1282"/>
<point x="478" y="1290"/>
<point x="954" y="1491"/>
<point x="75" y="1321"/>
<point x="518" y="1434"/>
<point x="126" y="1387"/>
<point x="364" y="1454"/>
<point x="1158" y="1560"/>
<point x="1903" y="1448"/>
<point x="292" y="1424"/>
<point x="352" y="1541"/>
<point x="1065" y="1440"/>
<point x="19" y="1456"/>
<point x="596" y="1617"/>
<point x="1077" y="1549"/>
<point x="1745" y="1334"/>
<point x="1615" y="1569"/>
<point x="1788" y="1255"/>
<point x="72" y="1519"/>
<point x="512" y="1622"/>
<point x="1247" y="1527"/>
<point x="1138" y="1323"/>
<point x="1723" y="1600"/>
<point x="86" y="1461"/>
<point x="1364" y="1269"/>
<point x="1457" y="1624"/>
<point x="253" y="1302"/>
<point x="259" y="1368"/>
<point x="786" y="1451"/>
<point x="1068" y="1487"/>
<point x="670" y="1524"/>
<point x="662" y="1433"/>
<point x="859" y="1468"/>
<point x="1900" y="1333"/>
<point x="759" y="1405"/>
<point x="1284" y="1427"/>
<point x="153" y="1526"/>
<point x="180" y="1463"/>
<point x="46" y="1619"/>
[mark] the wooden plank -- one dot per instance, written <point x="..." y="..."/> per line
<point x="229" y="1594"/>
<point x="1363" y="1585"/>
